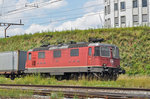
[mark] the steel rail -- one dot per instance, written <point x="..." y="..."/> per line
<point x="84" y="91"/>
<point x="79" y="87"/>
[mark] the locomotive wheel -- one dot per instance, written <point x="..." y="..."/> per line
<point x="59" y="78"/>
<point x="111" y="77"/>
<point x="12" y="77"/>
<point x="81" y="76"/>
<point x="114" y="77"/>
<point x="90" y="76"/>
<point x="101" y="76"/>
<point x="73" y="76"/>
<point x="7" y="76"/>
<point x="106" y="77"/>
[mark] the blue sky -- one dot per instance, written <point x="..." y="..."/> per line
<point x="50" y="15"/>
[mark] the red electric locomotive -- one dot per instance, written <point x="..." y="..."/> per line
<point x="72" y="60"/>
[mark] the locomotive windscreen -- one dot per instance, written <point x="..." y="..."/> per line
<point x="97" y="51"/>
<point x="115" y="52"/>
<point x="105" y="51"/>
<point x="102" y="51"/>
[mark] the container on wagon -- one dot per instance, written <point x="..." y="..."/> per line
<point x="12" y="63"/>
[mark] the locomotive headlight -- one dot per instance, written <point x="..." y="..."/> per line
<point x="104" y="64"/>
<point x="112" y="61"/>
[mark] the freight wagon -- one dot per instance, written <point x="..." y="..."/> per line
<point x="12" y="63"/>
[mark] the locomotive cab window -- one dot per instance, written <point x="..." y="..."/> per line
<point x="97" y="51"/>
<point x="30" y="56"/>
<point x="90" y="51"/>
<point x="56" y="53"/>
<point x="41" y="55"/>
<point x="74" y="52"/>
<point x="105" y="51"/>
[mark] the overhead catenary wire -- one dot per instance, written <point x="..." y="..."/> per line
<point x="66" y="15"/>
<point x="54" y="1"/>
<point x="39" y="2"/>
<point x="23" y="4"/>
<point x="64" y="11"/>
<point x="58" y="20"/>
<point x="61" y="11"/>
<point x="55" y="14"/>
<point x="30" y="5"/>
<point x="20" y="10"/>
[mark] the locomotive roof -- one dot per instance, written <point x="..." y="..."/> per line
<point x="63" y="46"/>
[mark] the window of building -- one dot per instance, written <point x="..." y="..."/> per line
<point x="109" y="22"/>
<point x="123" y="19"/>
<point x="105" y="10"/>
<point x="135" y="18"/>
<point x="116" y="6"/>
<point x="105" y="22"/>
<point x="56" y="53"/>
<point x="74" y="52"/>
<point x="144" y="3"/>
<point x="30" y="55"/>
<point x="144" y="18"/>
<point x="41" y="55"/>
<point x="116" y="21"/>
<point x="108" y="9"/>
<point x="90" y="51"/>
<point x="105" y="51"/>
<point x="123" y="6"/>
<point x="97" y="51"/>
<point x="135" y="3"/>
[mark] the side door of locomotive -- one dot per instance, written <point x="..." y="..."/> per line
<point x="90" y="56"/>
<point x="31" y="61"/>
<point x="34" y="55"/>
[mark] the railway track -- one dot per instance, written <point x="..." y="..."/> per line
<point x="82" y="92"/>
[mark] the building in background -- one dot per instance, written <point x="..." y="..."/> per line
<point x="126" y="13"/>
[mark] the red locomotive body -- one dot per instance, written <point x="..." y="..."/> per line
<point x="72" y="60"/>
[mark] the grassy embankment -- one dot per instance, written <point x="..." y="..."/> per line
<point x="134" y="44"/>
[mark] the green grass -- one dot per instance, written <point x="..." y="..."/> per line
<point x="57" y="95"/>
<point x="123" y="81"/>
<point x="12" y="93"/>
<point x="134" y="44"/>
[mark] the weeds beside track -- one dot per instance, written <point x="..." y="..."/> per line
<point x="100" y="92"/>
<point x="123" y="81"/>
